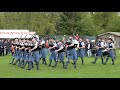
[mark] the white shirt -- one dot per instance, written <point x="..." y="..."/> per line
<point x="102" y="44"/>
<point x="88" y="45"/>
<point x="43" y="42"/>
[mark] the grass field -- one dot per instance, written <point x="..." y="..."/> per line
<point x="83" y="71"/>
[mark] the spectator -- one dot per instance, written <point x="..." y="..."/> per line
<point x="5" y="48"/>
<point x="9" y="44"/>
<point x="0" y="48"/>
<point x="89" y="47"/>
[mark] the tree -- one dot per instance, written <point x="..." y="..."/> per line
<point x="72" y="22"/>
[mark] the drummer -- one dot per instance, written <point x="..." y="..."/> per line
<point x="100" y="48"/>
<point x="110" y="48"/>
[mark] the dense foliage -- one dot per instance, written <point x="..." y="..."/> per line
<point x="43" y="23"/>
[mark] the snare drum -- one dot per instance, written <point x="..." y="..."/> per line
<point x="105" y="52"/>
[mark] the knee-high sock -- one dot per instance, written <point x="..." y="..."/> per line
<point x="29" y="65"/>
<point x="74" y="64"/>
<point x="32" y="64"/>
<point x="16" y="61"/>
<point x="67" y="62"/>
<point x="25" y="64"/>
<point x="107" y="60"/>
<point x="12" y="60"/>
<point x="56" y="62"/>
<point x="37" y="64"/>
<point x="20" y="64"/>
<point x="63" y="63"/>
<point x="95" y="59"/>
<point x="44" y="61"/>
<point x="112" y="61"/>
<point x="82" y="60"/>
<point x="50" y="62"/>
<point x="102" y="58"/>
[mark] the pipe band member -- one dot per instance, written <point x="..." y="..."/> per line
<point x="26" y="50"/>
<point x="22" y="52"/>
<point x="17" y="52"/>
<point x="34" y="54"/>
<point x="71" y="52"/>
<point x="81" y="51"/>
<point x="111" y="51"/>
<point x="52" y="48"/>
<point x="44" y="52"/>
<point x="100" y="48"/>
<point x="60" y="52"/>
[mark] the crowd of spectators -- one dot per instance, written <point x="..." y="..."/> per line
<point x="5" y="47"/>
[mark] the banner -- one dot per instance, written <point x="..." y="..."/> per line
<point x="15" y="33"/>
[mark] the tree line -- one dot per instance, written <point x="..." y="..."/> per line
<point x="65" y="23"/>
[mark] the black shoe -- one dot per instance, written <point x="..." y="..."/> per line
<point x="45" y="63"/>
<point x="14" y="63"/>
<point x="104" y="63"/>
<point x="93" y="62"/>
<point x="37" y="69"/>
<point x="64" y="67"/>
<point x="72" y="63"/>
<point x="28" y="69"/>
<point x="54" y="66"/>
<point x="22" y="67"/>
<point x="49" y="65"/>
<point x="113" y="64"/>
<point x="32" y="67"/>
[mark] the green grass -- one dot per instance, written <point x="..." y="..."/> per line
<point x="83" y="71"/>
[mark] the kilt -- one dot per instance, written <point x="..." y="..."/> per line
<point x="18" y="54"/>
<point x="44" y="52"/>
<point x="71" y="54"/>
<point x="105" y="53"/>
<point x="60" y="56"/>
<point x="111" y="54"/>
<point x="99" y="52"/>
<point x="21" y="54"/>
<point x="53" y="55"/>
<point x="81" y="53"/>
<point x="27" y="56"/>
<point x="24" y="55"/>
<point x="34" y="56"/>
